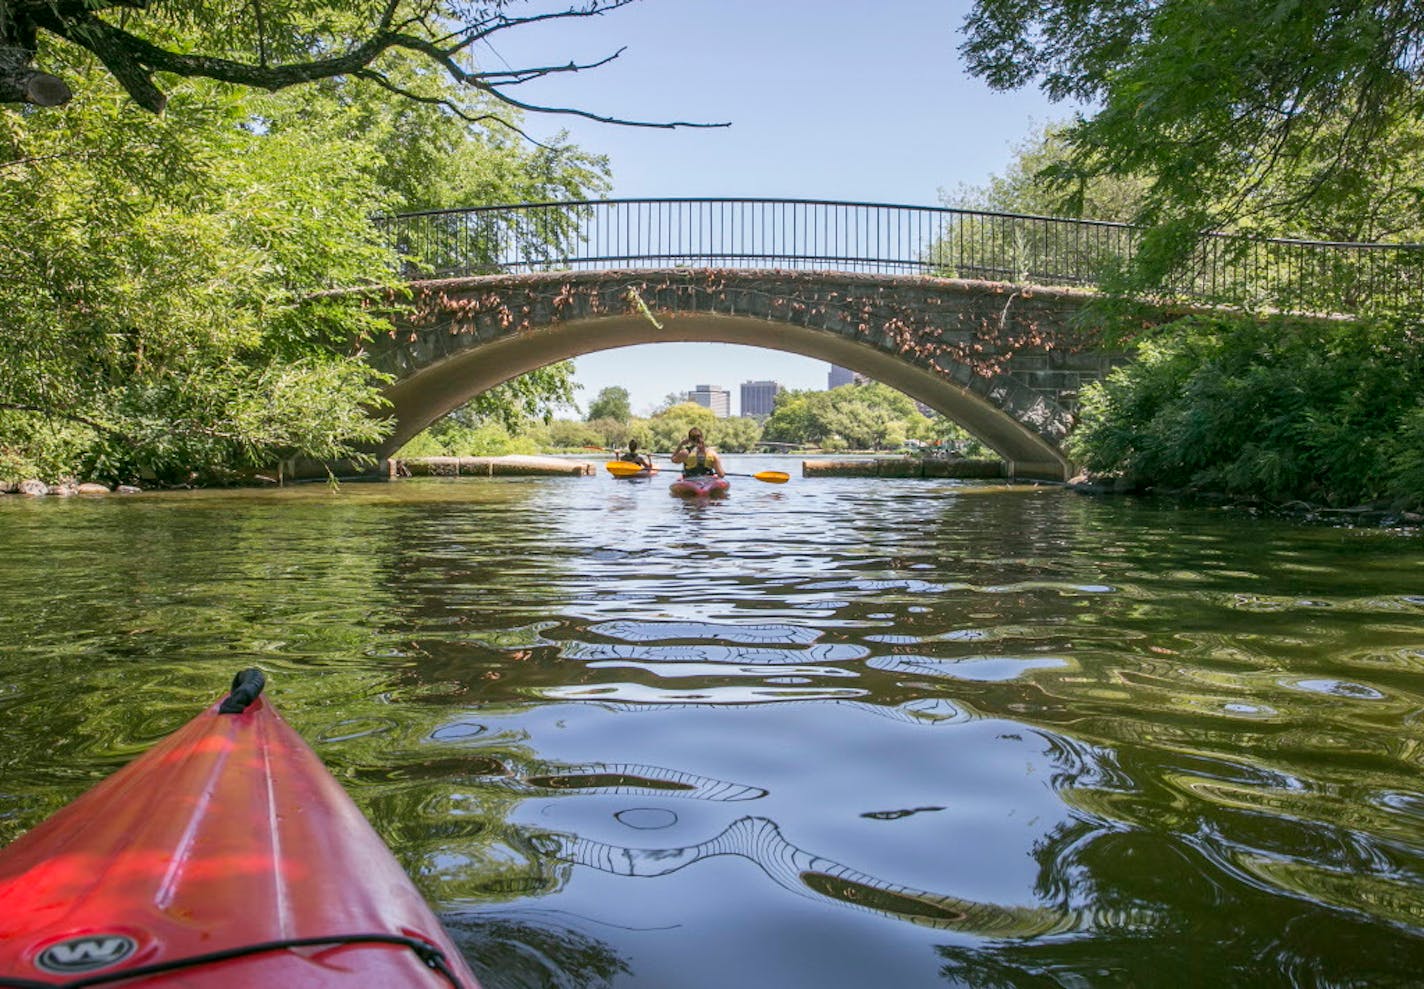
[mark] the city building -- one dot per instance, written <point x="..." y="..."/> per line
<point x="759" y="398"/>
<point x="713" y="397"/>
<point x="844" y="376"/>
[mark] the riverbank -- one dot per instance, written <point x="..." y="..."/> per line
<point x="1373" y="515"/>
<point x="34" y="488"/>
<point x="909" y="467"/>
<point x="506" y="466"/>
<point x="511" y="465"/>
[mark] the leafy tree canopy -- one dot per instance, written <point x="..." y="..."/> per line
<point x="1039" y="182"/>
<point x="161" y="276"/>
<point x="865" y="417"/>
<point x="1244" y="115"/>
<point x="611" y="403"/>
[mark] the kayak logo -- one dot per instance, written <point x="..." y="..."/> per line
<point x="85" y="954"/>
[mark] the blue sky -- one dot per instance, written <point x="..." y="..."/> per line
<point x="826" y="100"/>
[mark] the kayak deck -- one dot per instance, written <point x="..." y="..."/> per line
<point x="700" y="486"/>
<point x="225" y="856"/>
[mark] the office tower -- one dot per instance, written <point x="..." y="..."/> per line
<point x="839" y="376"/>
<point x="713" y="397"/>
<point x="759" y="398"/>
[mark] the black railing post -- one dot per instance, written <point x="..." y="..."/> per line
<point x="876" y="237"/>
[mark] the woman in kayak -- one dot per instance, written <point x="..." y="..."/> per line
<point x="634" y="457"/>
<point x="696" y="456"/>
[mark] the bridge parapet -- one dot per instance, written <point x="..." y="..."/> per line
<point x="1005" y="362"/>
<point x="1287" y="275"/>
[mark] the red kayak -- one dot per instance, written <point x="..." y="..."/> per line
<point x="227" y="856"/>
<point x="700" y="486"/>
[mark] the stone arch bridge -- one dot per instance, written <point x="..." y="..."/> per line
<point x="995" y="359"/>
<point x="977" y="315"/>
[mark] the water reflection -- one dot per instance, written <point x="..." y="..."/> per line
<point x="760" y="840"/>
<point x="538" y="952"/>
<point x="843" y="733"/>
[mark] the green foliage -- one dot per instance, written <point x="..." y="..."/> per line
<point x="1041" y="181"/>
<point x="1298" y="118"/>
<point x="162" y="277"/>
<point x="611" y="403"/>
<point x="738" y="434"/>
<point x="569" y="434"/>
<point x="40" y="447"/>
<point x="1406" y="452"/>
<point x="874" y="416"/>
<point x="861" y="417"/>
<point x="668" y="427"/>
<point x="485" y="439"/>
<point x="1285" y="409"/>
<point x="156" y="281"/>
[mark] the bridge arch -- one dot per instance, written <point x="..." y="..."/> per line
<point x="998" y="361"/>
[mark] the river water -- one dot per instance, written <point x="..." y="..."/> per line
<point x="838" y="732"/>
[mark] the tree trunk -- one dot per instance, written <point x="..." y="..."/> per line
<point x="31" y="86"/>
<point x="20" y="81"/>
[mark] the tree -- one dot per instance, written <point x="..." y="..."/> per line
<point x="1040" y="181"/>
<point x="612" y="433"/>
<point x="1214" y="105"/>
<point x="1286" y="409"/>
<point x="671" y="399"/>
<point x="569" y="434"/>
<point x="162" y="329"/>
<point x="611" y="403"/>
<point x="273" y="46"/>
<point x="736" y="434"/>
<point x="161" y="276"/>
<point x="864" y="417"/>
<point x="669" y="427"/>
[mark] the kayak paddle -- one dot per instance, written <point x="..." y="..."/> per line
<point x="622" y="468"/>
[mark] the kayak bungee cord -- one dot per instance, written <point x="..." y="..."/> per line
<point x="429" y="954"/>
<point x="216" y="857"/>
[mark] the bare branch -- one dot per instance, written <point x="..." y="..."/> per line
<point x="587" y="115"/>
<point x="134" y="61"/>
<point x="502" y="22"/>
<point x="513" y="77"/>
<point x="380" y="80"/>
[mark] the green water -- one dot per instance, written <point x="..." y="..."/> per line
<point x="832" y="733"/>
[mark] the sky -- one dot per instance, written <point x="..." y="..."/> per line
<point x="826" y="100"/>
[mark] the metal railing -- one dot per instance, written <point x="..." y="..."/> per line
<point x="1291" y="275"/>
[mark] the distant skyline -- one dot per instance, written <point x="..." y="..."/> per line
<point x="826" y="101"/>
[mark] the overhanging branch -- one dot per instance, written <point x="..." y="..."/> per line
<point x="134" y="61"/>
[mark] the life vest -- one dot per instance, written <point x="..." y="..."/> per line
<point x="696" y="465"/>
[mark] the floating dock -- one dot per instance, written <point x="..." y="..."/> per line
<point x="904" y="467"/>
<point x="510" y="466"/>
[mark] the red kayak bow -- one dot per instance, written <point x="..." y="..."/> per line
<point x="226" y="856"/>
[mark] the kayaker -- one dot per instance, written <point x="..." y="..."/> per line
<point x="634" y="457"/>
<point x="696" y="457"/>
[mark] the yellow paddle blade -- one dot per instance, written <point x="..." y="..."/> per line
<point x="772" y="476"/>
<point x="622" y="468"/>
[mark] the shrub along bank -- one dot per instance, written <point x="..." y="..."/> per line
<point x="1282" y="410"/>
